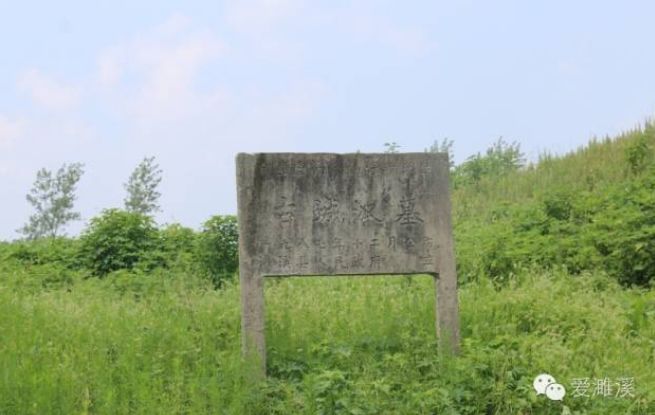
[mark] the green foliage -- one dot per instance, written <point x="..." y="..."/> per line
<point x="637" y="154"/>
<point x="52" y="198"/>
<point x="554" y="262"/>
<point x="499" y="160"/>
<point x="178" y="246"/>
<point x="59" y="250"/>
<point x="142" y="195"/>
<point x="162" y="342"/>
<point x="558" y="206"/>
<point x="120" y="240"/>
<point x="578" y="212"/>
<point x="625" y="231"/>
<point x="218" y="247"/>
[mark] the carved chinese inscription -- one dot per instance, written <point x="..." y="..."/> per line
<point x="326" y="210"/>
<point x="408" y="214"/>
<point x="284" y="211"/>
<point x="331" y="214"/>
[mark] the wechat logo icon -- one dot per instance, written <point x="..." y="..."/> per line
<point x="545" y="384"/>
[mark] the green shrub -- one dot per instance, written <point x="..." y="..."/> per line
<point x="637" y="154"/>
<point x="218" y="248"/>
<point x="59" y="250"/>
<point x="625" y="232"/>
<point x="120" y="240"/>
<point x="610" y="227"/>
<point x="558" y="206"/>
<point x="178" y="246"/>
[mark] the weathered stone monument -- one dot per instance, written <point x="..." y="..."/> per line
<point x="344" y="214"/>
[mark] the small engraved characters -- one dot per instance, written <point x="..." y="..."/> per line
<point x="356" y="261"/>
<point x="284" y="262"/>
<point x="392" y="243"/>
<point x="408" y="243"/>
<point x="376" y="260"/>
<point x="302" y="264"/>
<point x="426" y="258"/>
<point x="339" y="264"/>
<point x="338" y="245"/>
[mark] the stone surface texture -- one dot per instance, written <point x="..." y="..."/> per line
<point x="344" y="214"/>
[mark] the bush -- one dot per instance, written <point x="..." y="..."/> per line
<point x="59" y="250"/>
<point x="218" y="248"/>
<point x="626" y="232"/>
<point x="637" y="154"/>
<point x="120" y="240"/>
<point x="610" y="228"/>
<point x="178" y="243"/>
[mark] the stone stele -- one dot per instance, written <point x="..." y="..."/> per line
<point x="344" y="214"/>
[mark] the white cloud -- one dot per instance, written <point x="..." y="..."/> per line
<point x="156" y="72"/>
<point x="48" y="92"/>
<point x="153" y="81"/>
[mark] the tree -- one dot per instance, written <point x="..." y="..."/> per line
<point x="142" y="195"/>
<point x="500" y="159"/>
<point x="52" y="198"/>
<point x="119" y="240"/>
<point x="218" y="247"/>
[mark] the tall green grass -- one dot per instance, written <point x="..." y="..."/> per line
<point x="359" y="345"/>
<point x="599" y="163"/>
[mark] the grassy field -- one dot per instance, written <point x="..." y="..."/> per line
<point x="168" y="344"/>
<point x="556" y="264"/>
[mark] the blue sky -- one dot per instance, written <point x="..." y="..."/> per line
<point x="193" y="83"/>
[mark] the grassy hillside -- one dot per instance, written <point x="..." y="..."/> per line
<point x="591" y="209"/>
<point x="600" y="163"/>
<point x="556" y="263"/>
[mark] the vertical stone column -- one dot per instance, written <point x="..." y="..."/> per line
<point x="447" y="310"/>
<point x="252" y="283"/>
<point x="252" y="319"/>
